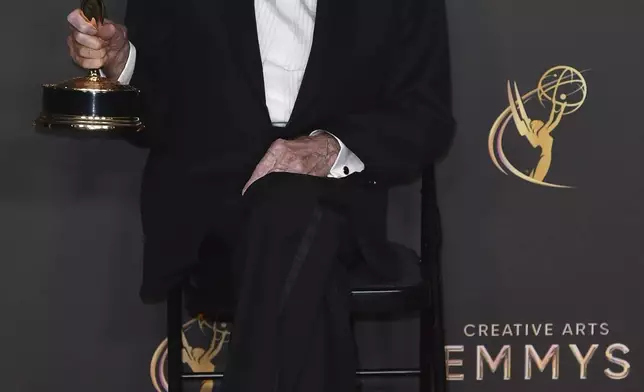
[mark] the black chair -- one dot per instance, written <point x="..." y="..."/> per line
<point x="373" y="301"/>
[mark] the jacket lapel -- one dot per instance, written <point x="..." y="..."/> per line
<point x="239" y="16"/>
<point x="311" y="88"/>
<point x="332" y="26"/>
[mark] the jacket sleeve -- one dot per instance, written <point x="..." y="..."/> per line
<point x="413" y="125"/>
<point x="150" y="26"/>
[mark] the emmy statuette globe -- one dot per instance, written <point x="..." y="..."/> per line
<point x="90" y="106"/>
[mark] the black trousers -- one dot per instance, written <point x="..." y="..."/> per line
<point x="292" y="330"/>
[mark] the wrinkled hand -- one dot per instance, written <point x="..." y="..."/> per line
<point x="310" y="155"/>
<point x="92" y="46"/>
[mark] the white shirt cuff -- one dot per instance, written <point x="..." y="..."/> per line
<point x="346" y="163"/>
<point x="128" y="70"/>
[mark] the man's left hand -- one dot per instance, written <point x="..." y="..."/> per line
<point x="310" y="155"/>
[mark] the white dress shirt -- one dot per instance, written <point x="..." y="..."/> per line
<point x="285" y="34"/>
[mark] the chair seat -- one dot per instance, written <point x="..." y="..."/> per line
<point x="372" y="296"/>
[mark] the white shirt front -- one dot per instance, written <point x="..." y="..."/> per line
<point x="285" y="33"/>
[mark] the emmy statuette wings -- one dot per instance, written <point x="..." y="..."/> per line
<point x="561" y="88"/>
<point x="93" y="10"/>
<point x="519" y="114"/>
<point x="90" y="106"/>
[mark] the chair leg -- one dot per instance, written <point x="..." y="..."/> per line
<point x="175" y="345"/>
<point x="432" y="352"/>
<point x="432" y="327"/>
<point x="359" y="386"/>
<point x="426" y="361"/>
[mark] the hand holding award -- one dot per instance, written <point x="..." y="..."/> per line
<point x="93" y="105"/>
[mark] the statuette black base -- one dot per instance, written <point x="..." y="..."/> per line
<point x="89" y="107"/>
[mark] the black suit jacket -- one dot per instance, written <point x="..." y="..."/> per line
<point x="378" y="77"/>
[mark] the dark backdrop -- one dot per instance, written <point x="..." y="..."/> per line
<point x="518" y="252"/>
<point x="69" y="230"/>
<point x="515" y="252"/>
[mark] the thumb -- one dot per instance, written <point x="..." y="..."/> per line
<point x="106" y="31"/>
<point x="78" y="22"/>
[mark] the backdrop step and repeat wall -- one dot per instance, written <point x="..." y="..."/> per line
<point x="542" y="196"/>
<point x="541" y="199"/>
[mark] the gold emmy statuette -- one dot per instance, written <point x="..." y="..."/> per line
<point x="92" y="105"/>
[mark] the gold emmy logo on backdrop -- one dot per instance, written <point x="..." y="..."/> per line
<point x="199" y="359"/>
<point x="562" y="90"/>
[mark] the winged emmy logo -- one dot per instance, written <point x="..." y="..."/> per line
<point x="562" y="90"/>
<point x="199" y="358"/>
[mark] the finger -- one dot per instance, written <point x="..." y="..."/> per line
<point x="72" y="48"/>
<point x="106" y="31"/>
<point x="250" y="182"/>
<point x="84" y="51"/>
<point x="89" y="53"/>
<point x="268" y="163"/>
<point x="246" y="187"/>
<point x="89" y="41"/>
<point x="89" y="63"/>
<point x="260" y="171"/>
<point x="78" y="21"/>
